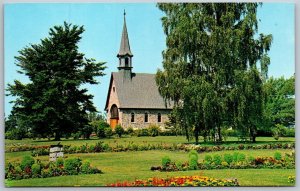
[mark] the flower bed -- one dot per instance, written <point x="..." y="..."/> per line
<point x="179" y="181"/>
<point x="228" y="161"/>
<point x="30" y="168"/>
<point x="104" y="147"/>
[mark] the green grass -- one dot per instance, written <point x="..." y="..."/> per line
<point x="230" y="141"/>
<point x="136" y="165"/>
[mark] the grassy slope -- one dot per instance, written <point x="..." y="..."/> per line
<point x="131" y="165"/>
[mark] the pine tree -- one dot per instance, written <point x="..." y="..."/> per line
<point x="54" y="101"/>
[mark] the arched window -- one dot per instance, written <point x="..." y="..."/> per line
<point x="132" y="117"/>
<point x="146" y="117"/>
<point x="114" y="114"/>
<point x="126" y="62"/>
<point x="158" y="117"/>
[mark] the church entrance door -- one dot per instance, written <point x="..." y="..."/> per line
<point x="114" y="116"/>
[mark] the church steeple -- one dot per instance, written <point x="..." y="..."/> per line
<point x="125" y="55"/>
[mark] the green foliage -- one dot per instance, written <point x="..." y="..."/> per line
<point x="142" y="132"/>
<point x="153" y="130"/>
<point x="193" y="153"/>
<point x="193" y="162"/>
<point x="208" y="158"/>
<point x="165" y="161"/>
<point x="228" y="158"/>
<point x="54" y="102"/>
<point x="217" y="159"/>
<point x="130" y="131"/>
<point x="119" y="130"/>
<point x="277" y="155"/>
<point x="280" y="102"/>
<point x="108" y="132"/>
<point x="36" y="169"/>
<point x="241" y="157"/>
<point x="86" y="167"/>
<point x="87" y="131"/>
<point x="209" y="67"/>
<point x="235" y="156"/>
<point x="26" y="162"/>
<point x="101" y="129"/>
<point x="59" y="162"/>
<point x="72" y="165"/>
<point x="179" y="165"/>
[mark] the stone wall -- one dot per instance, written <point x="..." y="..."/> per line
<point x="113" y="99"/>
<point x="139" y="118"/>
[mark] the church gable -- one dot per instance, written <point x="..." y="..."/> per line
<point x="112" y="96"/>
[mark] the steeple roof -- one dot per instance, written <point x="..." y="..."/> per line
<point x="124" y="47"/>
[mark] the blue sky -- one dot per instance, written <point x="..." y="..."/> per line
<point x="26" y="24"/>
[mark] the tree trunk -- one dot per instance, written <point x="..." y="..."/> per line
<point x="57" y="136"/>
<point x="253" y="135"/>
<point x="197" y="136"/>
<point x="219" y="134"/>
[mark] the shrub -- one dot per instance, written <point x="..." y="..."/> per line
<point x="141" y="132"/>
<point x="289" y="132"/>
<point x="153" y="130"/>
<point x="100" y="131"/>
<point x="228" y="158"/>
<point x="193" y="162"/>
<point x="235" y="156"/>
<point x="86" y="167"/>
<point x="108" y="132"/>
<point x="36" y="169"/>
<point x="26" y="162"/>
<point x="59" y="162"/>
<point x="208" y="158"/>
<point x="165" y="161"/>
<point x="241" y="157"/>
<point x="277" y="155"/>
<point x="251" y="159"/>
<point x="119" y="130"/>
<point x="179" y="165"/>
<point x="217" y="159"/>
<point x="193" y="153"/>
<point x="86" y="131"/>
<point x="76" y="136"/>
<point x="72" y="165"/>
<point x="129" y="131"/>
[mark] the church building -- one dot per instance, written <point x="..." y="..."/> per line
<point x="133" y="99"/>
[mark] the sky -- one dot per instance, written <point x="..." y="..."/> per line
<point x="26" y="24"/>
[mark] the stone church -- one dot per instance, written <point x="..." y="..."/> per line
<point x="133" y="99"/>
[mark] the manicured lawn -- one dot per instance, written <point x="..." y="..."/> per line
<point x="141" y="140"/>
<point x="136" y="165"/>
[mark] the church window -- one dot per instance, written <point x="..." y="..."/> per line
<point x="132" y="117"/>
<point x="114" y="89"/>
<point x="126" y="62"/>
<point x="158" y="117"/>
<point x="146" y="117"/>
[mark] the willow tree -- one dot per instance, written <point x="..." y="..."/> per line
<point x="207" y="45"/>
<point x="54" y="101"/>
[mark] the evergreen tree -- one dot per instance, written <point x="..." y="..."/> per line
<point x="54" y="102"/>
<point x="209" y="45"/>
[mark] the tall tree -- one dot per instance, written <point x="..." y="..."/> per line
<point x="279" y="105"/>
<point x="54" y="102"/>
<point x="207" y="45"/>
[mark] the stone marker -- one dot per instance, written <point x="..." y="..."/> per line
<point x="55" y="152"/>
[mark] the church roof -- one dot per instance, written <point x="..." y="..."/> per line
<point x="141" y="92"/>
<point x="124" y="47"/>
